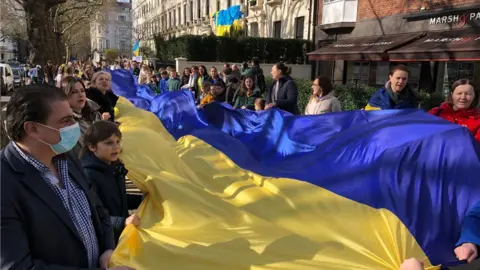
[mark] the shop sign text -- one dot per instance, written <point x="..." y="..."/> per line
<point x="380" y="43"/>
<point x="458" y="20"/>
<point x="453" y="39"/>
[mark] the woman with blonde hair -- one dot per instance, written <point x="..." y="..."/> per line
<point x="144" y="76"/>
<point x="100" y="92"/>
<point x="322" y="99"/>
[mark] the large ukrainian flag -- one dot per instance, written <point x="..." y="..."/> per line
<point x="226" y="19"/>
<point x="243" y="190"/>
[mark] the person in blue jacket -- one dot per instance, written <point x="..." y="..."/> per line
<point x="467" y="245"/>
<point x="100" y="159"/>
<point x="396" y="94"/>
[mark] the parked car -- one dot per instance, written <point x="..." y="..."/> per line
<point x="7" y="78"/>
<point x="18" y="77"/>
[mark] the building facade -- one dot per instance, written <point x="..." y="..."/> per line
<point x="8" y="50"/>
<point x="358" y="41"/>
<point x="262" y="18"/>
<point x="112" y="28"/>
<point x="13" y="46"/>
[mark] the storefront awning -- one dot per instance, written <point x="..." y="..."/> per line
<point x="457" y="45"/>
<point x="364" y="48"/>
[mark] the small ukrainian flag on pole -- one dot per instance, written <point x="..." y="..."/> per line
<point x="136" y="48"/>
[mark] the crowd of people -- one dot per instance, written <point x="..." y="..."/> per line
<point x="62" y="163"/>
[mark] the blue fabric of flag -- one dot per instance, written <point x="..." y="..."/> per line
<point x="418" y="166"/>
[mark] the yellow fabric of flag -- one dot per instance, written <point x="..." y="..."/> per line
<point x="202" y="211"/>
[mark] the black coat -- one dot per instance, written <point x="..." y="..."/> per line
<point x="109" y="182"/>
<point x="106" y="102"/>
<point x="36" y="229"/>
<point x="287" y="95"/>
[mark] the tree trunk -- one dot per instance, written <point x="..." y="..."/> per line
<point x="39" y="30"/>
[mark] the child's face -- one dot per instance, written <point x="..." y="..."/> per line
<point x="173" y="74"/>
<point x="216" y="90"/>
<point x="108" y="150"/>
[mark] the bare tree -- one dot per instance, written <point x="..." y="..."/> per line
<point x="140" y="32"/>
<point x="71" y="22"/>
<point x="38" y="28"/>
<point x="12" y="21"/>
<point x="48" y="22"/>
<point x="77" y="37"/>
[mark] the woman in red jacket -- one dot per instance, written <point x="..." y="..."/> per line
<point x="459" y="108"/>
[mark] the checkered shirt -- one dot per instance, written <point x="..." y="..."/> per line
<point x="74" y="201"/>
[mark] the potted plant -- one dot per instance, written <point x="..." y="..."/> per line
<point x="253" y="3"/>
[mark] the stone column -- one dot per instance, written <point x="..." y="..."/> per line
<point x="180" y="64"/>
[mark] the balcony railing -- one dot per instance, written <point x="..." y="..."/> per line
<point x="273" y="3"/>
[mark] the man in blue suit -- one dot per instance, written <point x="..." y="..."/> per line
<point x="51" y="218"/>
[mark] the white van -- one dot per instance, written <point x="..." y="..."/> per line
<point x="6" y="80"/>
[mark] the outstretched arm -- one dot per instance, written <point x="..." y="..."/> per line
<point x="467" y="245"/>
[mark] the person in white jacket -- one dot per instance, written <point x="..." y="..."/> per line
<point x="323" y="99"/>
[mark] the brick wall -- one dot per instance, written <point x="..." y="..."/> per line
<point x="370" y="9"/>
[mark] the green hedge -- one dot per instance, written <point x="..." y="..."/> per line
<point x="232" y="49"/>
<point x="355" y="99"/>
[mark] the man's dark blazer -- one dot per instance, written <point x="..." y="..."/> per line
<point x="36" y="230"/>
<point x="287" y="95"/>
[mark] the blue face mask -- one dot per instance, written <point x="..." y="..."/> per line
<point x="68" y="138"/>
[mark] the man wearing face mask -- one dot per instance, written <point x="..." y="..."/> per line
<point x="51" y="218"/>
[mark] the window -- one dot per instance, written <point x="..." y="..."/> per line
<point x="299" y="24"/>
<point x="107" y="29"/>
<point x="107" y="44"/>
<point x="360" y="73"/>
<point x="455" y="71"/>
<point x="122" y="31"/>
<point x="184" y="13"/>
<point x="218" y="5"/>
<point x="174" y="22"/>
<point x="414" y="74"/>
<point x="381" y="73"/>
<point x="229" y="3"/>
<point x="277" y="29"/>
<point x="179" y="12"/>
<point x="99" y="29"/>
<point x="122" y="45"/>
<point x="199" y="10"/>
<point x="122" y="18"/>
<point x="254" y="29"/>
<point x="169" y="19"/>
<point x="191" y="10"/>
<point x="207" y="7"/>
